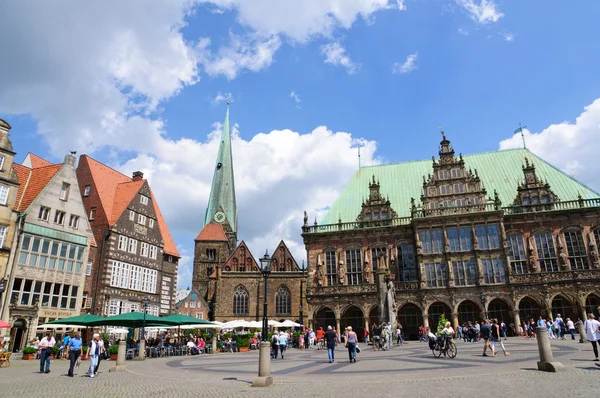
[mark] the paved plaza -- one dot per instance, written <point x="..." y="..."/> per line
<point x="405" y="370"/>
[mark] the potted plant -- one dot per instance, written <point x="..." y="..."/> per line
<point x="113" y="350"/>
<point x="55" y="350"/>
<point x="84" y="354"/>
<point x="243" y="343"/>
<point x="29" y="353"/>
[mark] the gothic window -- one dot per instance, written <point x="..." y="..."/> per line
<point x="375" y="252"/>
<point x="211" y="254"/>
<point x="488" y="236"/>
<point x="407" y="269"/>
<point x="240" y="301"/>
<point x="460" y="239"/>
<point x="432" y="241"/>
<point x="493" y="270"/>
<point x="546" y="252"/>
<point x="576" y="250"/>
<point x="330" y="269"/>
<point x="283" y="304"/>
<point x="436" y="274"/>
<point x="517" y="255"/>
<point x="464" y="272"/>
<point x="234" y="263"/>
<point x="353" y="266"/>
<point x="209" y="270"/>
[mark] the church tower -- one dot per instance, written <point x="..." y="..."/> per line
<point x="218" y="238"/>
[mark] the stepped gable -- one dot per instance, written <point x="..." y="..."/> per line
<point x="283" y="261"/>
<point x="241" y="260"/>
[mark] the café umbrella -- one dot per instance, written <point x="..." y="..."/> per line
<point x="79" y="320"/>
<point x="133" y="320"/>
<point x="187" y="320"/>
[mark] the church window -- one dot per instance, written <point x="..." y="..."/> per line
<point x="488" y="236"/>
<point x="375" y="252"/>
<point x="464" y="272"/>
<point x="436" y="274"/>
<point x="546" y="252"/>
<point x="211" y="254"/>
<point x="460" y="239"/>
<point x="354" y="266"/>
<point x="431" y="240"/>
<point x="493" y="271"/>
<point x="576" y="250"/>
<point x="407" y="269"/>
<point x="283" y="304"/>
<point x="240" y="301"/>
<point x="209" y="270"/>
<point x="517" y="255"/>
<point x="330" y="269"/>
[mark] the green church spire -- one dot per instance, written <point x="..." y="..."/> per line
<point x="221" y="204"/>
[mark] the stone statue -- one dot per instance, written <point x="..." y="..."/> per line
<point x="342" y="273"/>
<point x="563" y="258"/>
<point x="305" y="219"/>
<point x="367" y="273"/>
<point x="319" y="272"/>
<point x="594" y="253"/>
<point x="391" y="300"/>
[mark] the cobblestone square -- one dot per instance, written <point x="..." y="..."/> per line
<point x="406" y="370"/>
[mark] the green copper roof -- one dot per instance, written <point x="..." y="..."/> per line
<point x="222" y="192"/>
<point x="501" y="170"/>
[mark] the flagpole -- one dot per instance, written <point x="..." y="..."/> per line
<point x="522" y="136"/>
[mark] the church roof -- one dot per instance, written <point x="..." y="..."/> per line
<point x="212" y="232"/>
<point x="501" y="171"/>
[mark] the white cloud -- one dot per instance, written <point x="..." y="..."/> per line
<point x="408" y="66"/>
<point x="295" y="97"/>
<point x="482" y="12"/>
<point x="463" y="31"/>
<point x="221" y="98"/>
<point x="571" y="146"/>
<point x="509" y="37"/>
<point x="335" y="54"/>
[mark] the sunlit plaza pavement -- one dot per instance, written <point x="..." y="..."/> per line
<point x="409" y="369"/>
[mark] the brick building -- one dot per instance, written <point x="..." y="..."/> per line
<point x="194" y="305"/>
<point x="500" y="234"/>
<point x="225" y="272"/>
<point x="135" y="256"/>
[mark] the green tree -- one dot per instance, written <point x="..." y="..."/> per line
<point x="441" y="324"/>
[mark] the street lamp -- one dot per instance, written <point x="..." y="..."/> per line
<point x="142" y="348"/>
<point x="264" y="356"/>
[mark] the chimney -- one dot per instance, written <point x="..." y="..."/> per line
<point x="70" y="159"/>
<point x="138" y="176"/>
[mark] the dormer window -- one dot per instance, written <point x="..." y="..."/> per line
<point x="64" y="191"/>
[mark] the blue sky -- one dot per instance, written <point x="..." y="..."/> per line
<point x="141" y="87"/>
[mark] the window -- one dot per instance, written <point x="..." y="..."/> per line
<point x="445" y="189"/>
<point x="153" y="252"/>
<point x="133" y="277"/>
<point x="114" y="307"/>
<point x="122" y="243"/>
<point x="576" y="250"/>
<point x="353" y="266"/>
<point x="199" y="315"/>
<point x="3" y="194"/>
<point x="143" y="199"/>
<point x="546" y="252"/>
<point x="1" y="162"/>
<point x="44" y="213"/>
<point x="211" y="254"/>
<point x="456" y="172"/>
<point x="73" y="221"/>
<point x="407" y="268"/>
<point x="460" y="239"/>
<point x="240" y="301"/>
<point x="132" y="248"/>
<point x="488" y="236"/>
<point x="186" y="304"/>
<point x="30" y="292"/>
<point x="330" y="268"/>
<point x="517" y="255"/>
<point x="88" y="268"/>
<point x="64" y="191"/>
<point x="59" y="217"/>
<point x="597" y="237"/>
<point x="459" y="188"/>
<point x="464" y="272"/>
<point x="283" y="302"/>
<point x="436" y="274"/>
<point x="92" y="213"/>
<point x="131" y="215"/>
<point x="86" y="190"/>
<point x="443" y="174"/>
<point x="151" y="223"/>
<point x="46" y="253"/>
<point x="432" y="241"/>
<point x="141" y="219"/>
<point x="192" y="304"/>
<point x="493" y="270"/>
<point x="375" y="253"/>
<point x="144" y="249"/>
<point x="3" y="231"/>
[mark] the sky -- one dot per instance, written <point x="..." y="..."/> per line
<point x="142" y="85"/>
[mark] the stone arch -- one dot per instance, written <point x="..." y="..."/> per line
<point x="529" y="308"/>
<point x="410" y="316"/>
<point x="438" y="300"/>
<point x="353" y="315"/>
<point x="565" y="306"/>
<point x="499" y="308"/>
<point x="374" y="318"/>
<point x="283" y="301"/>
<point x="468" y="311"/>
<point x="435" y="311"/>
<point x="240" y="300"/>
<point x="592" y="301"/>
<point x="324" y="316"/>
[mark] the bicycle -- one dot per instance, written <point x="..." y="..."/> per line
<point x="320" y="344"/>
<point x="380" y="343"/>
<point x="443" y="345"/>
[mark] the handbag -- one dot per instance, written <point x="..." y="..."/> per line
<point x="358" y="350"/>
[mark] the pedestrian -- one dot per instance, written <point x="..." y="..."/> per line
<point x="366" y="335"/>
<point x="422" y="334"/>
<point x="592" y="331"/>
<point x="45" y="346"/>
<point x="274" y="346"/>
<point x="476" y="331"/>
<point x="559" y="324"/>
<point x="331" y="341"/>
<point x="351" y="343"/>
<point x="486" y="330"/>
<point x="101" y="355"/>
<point x="74" y="351"/>
<point x="94" y="350"/>
<point x="571" y="327"/>
<point x="282" y="343"/>
<point x="399" y="335"/>
<point x="459" y="332"/>
<point x="496" y="336"/>
<point x="550" y="328"/>
<point x="301" y="341"/>
<point x="63" y="347"/>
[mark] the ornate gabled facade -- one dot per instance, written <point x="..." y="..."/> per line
<point x="376" y="207"/>
<point x="459" y="252"/>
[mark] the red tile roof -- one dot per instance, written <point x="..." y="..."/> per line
<point x="116" y="191"/>
<point x="32" y="182"/>
<point x="212" y="231"/>
<point x="37" y="161"/>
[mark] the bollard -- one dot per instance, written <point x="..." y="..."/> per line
<point x="214" y="344"/>
<point x="264" y="378"/>
<point x="142" y="351"/>
<point x="582" y="334"/>
<point x="120" y="365"/>
<point x="546" y="362"/>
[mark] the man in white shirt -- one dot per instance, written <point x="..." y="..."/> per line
<point x="592" y="331"/>
<point x="558" y="325"/>
<point x="46" y="345"/>
<point x="94" y="351"/>
<point x="571" y="327"/>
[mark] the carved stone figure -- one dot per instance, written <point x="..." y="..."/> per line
<point x="367" y="273"/>
<point x="305" y="219"/>
<point x="319" y="272"/>
<point x="594" y="253"/>
<point x="563" y="258"/>
<point x="342" y="273"/>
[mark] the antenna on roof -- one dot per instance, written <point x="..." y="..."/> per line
<point x="359" y="157"/>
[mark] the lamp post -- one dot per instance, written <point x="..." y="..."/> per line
<point x="264" y="356"/>
<point x="142" y="349"/>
